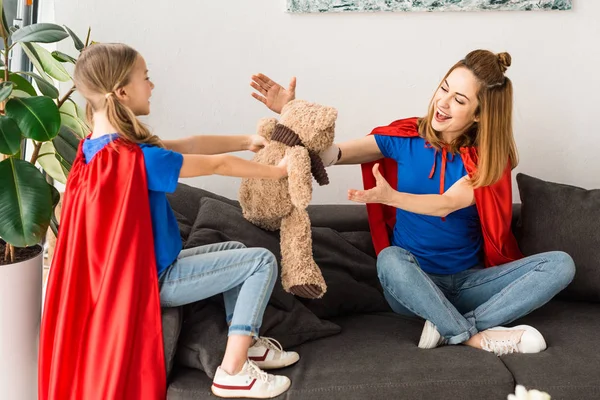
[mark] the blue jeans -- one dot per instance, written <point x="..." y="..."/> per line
<point x="245" y="277"/>
<point x="474" y="300"/>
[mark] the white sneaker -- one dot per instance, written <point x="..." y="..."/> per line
<point x="518" y="339"/>
<point x="250" y="383"/>
<point x="430" y="337"/>
<point x="267" y="353"/>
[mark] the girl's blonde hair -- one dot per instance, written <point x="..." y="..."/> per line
<point x="492" y="135"/>
<point x="100" y="71"/>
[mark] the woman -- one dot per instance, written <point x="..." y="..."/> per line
<point x="451" y="211"/>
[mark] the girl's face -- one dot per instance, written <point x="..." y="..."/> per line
<point x="455" y="103"/>
<point x="136" y="94"/>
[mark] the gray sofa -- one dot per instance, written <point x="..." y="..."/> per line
<point x="353" y="347"/>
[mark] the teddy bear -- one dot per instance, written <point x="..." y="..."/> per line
<point x="304" y="130"/>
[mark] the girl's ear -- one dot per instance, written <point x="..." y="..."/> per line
<point x="121" y="94"/>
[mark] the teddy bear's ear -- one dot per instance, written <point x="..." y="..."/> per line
<point x="325" y="118"/>
<point x="265" y="127"/>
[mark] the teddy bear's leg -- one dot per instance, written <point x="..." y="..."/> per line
<point x="300" y="275"/>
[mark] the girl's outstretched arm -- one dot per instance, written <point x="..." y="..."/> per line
<point x="215" y="144"/>
<point x="227" y="165"/>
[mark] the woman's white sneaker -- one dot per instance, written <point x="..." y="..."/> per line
<point x="518" y="339"/>
<point x="267" y="353"/>
<point x="430" y="337"/>
<point x="251" y="382"/>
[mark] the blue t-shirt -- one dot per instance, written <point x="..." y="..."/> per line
<point x="441" y="246"/>
<point x="162" y="172"/>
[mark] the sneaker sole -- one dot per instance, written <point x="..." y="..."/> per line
<point x="429" y="338"/>
<point x="247" y="394"/>
<point x="277" y="364"/>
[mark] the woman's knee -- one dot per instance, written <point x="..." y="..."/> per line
<point x="395" y="262"/>
<point x="564" y="267"/>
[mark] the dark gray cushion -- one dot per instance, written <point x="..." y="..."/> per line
<point x="171" y="326"/>
<point x="570" y="367"/>
<point x="562" y="217"/>
<point x="376" y="357"/>
<point x="185" y="202"/>
<point x="204" y="334"/>
<point x="346" y="259"/>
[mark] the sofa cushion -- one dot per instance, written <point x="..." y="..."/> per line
<point x="570" y="367"/>
<point x="376" y="357"/>
<point x="171" y="327"/>
<point x="204" y="336"/>
<point x="346" y="259"/>
<point x="562" y="217"/>
<point x="204" y="333"/>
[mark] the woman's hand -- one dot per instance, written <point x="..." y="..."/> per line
<point x="256" y="143"/>
<point x="381" y="193"/>
<point x="272" y="94"/>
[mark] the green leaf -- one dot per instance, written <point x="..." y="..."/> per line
<point x="34" y="58"/>
<point x="10" y="136"/>
<point x="46" y="88"/>
<point x="44" y="62"/>
<point x="4" y="32"/>
<point x="62" y="57"/>
<point x="76" y="41"/>
<point x="22" y="84"/>
<point x="50" y="163"/>
<point x="66" y="144"/>
<point x="19" y="93"/>
<point x="25" y="203"/>
<point x="6" y="89"/>
<point x="70" y="116"/>
<point x="40" y="33"/>
<point x="37" y="117"/>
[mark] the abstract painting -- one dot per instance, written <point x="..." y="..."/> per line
<point x="321" y="6"/>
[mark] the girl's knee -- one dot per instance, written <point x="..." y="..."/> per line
<point x="269" y="261"/>
<point x="236" y="245"/>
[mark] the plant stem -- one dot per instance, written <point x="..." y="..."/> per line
<point x="87" y="39"/>
<point x="9" y="253"/>
<point x="66" y="97"/>
<point x="36" y="152"/>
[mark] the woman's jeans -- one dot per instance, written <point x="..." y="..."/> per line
<point x="245" y="277"/>
<point x="474" y="300"/>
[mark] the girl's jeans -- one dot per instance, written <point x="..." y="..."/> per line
<point x="245" y="277"/>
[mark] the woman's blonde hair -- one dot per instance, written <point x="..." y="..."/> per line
<point x="492" y="135"/>
<point x="100" y="71"/>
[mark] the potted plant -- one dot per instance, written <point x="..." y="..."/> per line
<point x="32" y="111"/>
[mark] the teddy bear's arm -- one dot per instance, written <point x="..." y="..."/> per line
<point x="299" y="176"/>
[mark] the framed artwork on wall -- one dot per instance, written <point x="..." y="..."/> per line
<point x="323" y="6"/>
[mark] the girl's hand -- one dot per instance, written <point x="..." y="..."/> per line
<point x="256" y="143"/>
<point x="381" y="193"/>
<point x="283" y="167"/>
<point x="272" y="94"/>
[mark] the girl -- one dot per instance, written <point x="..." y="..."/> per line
<point x="114" y="80"/>
<point x="451" y="211"/>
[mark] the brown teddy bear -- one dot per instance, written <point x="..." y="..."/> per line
<point x="304" y="130"/>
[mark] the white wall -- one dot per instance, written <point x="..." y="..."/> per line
<point x="373" y="67"/>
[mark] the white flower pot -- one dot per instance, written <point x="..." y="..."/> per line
<point x="20" y="314"/>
